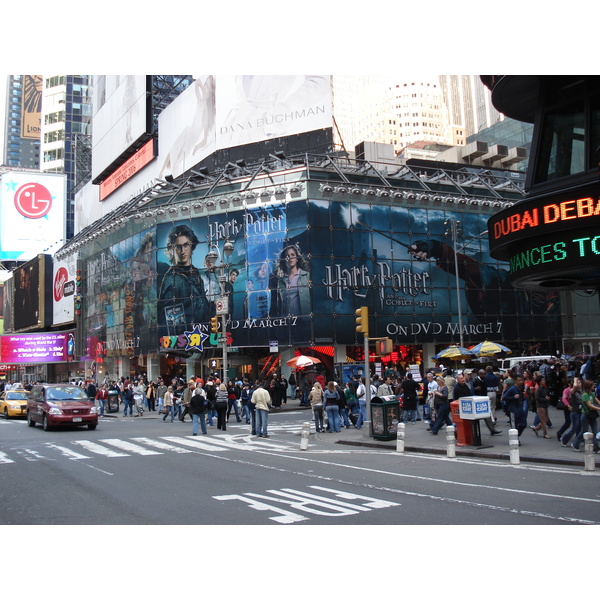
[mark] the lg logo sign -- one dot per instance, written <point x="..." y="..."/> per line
<point x="33" y="200"/>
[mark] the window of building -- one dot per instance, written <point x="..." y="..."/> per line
<point x="562" y="142"/>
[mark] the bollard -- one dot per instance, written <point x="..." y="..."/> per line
<point x="400" y="437"/>
<point x="304" y="436"/>
<point x="450" y="441"/>
<point x="513" y="445"/>
<point x="588" y="448"/>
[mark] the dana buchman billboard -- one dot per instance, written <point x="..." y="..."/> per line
<point x="32" y="213"/>
<point x="218" y="112"/>
<point x="253" y="108"/>
<point x="120" y="117"/>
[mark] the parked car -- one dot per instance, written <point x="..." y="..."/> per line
<point x="53" y="405"/>
<point x="13" y="403"/>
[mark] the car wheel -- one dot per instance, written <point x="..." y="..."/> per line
<point x="6" y="413"/>
<point x="45" y="424"/>
<point x="92" y="426"/>
<point x="30" y="421"/>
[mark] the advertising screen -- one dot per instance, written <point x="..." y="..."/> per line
<point x="32" y="213"/>
<point x="120" y="117"/>
<point x="64" y="290"/>
<point x="36" y="348"/>
<point x="29" y="299"/>
<point x="253" y="108"/>
<point x="31" y="107"/>
<point x="298" y="285"/>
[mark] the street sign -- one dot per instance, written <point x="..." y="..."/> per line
<point x="222" y="305"/>
<point x="274" y="347"/>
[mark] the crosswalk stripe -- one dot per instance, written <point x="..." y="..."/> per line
<point x="129" y="447"/>
<point x="192" y="443"/>
<point x="98" y="449"/>
<point x="162" y="445"/>
<point x="67" y="452"/>
<point x="4" y="458"/>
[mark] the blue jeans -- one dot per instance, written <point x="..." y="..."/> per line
<point x="101" y="403"/>
<point x="575" y="428"/>
<point x="127" y="405"/>
<point x="344" y="417"/>
<point x="585" y="423"/>
<point x="210" y="415"/>
<point x="246" y="411"/>
<point x="333" y="414"/>
<point x="176" y="411"/>
<point x="318" y="414"/>
<point x="410" y="415"/>
<point x="262" y="420"/>
<point x="230" y="404"/>
<point x="171" y="412"/>
<point x="362" y="413"/>
<point x="198" y="418"/>
<point x="443" y="416"/>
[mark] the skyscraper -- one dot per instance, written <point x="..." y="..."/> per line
<point x="22" y="121"/>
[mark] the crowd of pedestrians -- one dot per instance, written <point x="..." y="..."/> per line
<point x="527" y="388"/>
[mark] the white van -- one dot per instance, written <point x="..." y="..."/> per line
<point x="508" y="363"/>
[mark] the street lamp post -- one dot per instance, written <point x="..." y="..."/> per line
<point x="223" y="301"/>
<point x="453" y="231"/>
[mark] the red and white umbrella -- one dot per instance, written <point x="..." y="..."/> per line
<point x="299" y="362"/>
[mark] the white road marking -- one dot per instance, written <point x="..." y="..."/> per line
<point x="162" y="445"/>
<point x="98" y="449"/>
<point x="192" y="443"/>
<point x="71" y="454"/>
<point x="130" y="447"/>
<point x="5" y="459"/>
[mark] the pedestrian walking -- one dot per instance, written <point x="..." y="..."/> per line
<point x="262" y="402"/>
<point x="221" y="407"/>
<point x="198" y="404"/>
<point x="168" y="404"/>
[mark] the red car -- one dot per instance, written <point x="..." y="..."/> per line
<point x="53" y="405"/>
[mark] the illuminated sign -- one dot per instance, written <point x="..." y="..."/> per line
<point x="127" y="170"/>
<point x="36" y="348"/>
<point x="540" y="217"/>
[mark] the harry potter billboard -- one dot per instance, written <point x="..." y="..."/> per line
<point x="298" y="272"/>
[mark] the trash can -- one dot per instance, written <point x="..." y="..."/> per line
<point x="464" y="431"/>
<point x="112" y="404"/>
<point x="385" y="412"/>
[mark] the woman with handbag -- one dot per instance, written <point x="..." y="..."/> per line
<point x="589" y="415"/>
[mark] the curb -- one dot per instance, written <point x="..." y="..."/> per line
<point x="473" y="454"/>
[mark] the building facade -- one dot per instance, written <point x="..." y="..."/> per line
<point x="22" y="121"/>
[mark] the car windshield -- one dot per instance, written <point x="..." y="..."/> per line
<point x="16" y="395"/>
<point x="65" y="392"/>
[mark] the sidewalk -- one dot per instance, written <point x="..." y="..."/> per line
<point x="533" y="449"/>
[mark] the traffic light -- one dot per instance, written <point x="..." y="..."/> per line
<point x="214" y="324"/>
<point x="385" y="346"/>
<point x="362" y="320"/>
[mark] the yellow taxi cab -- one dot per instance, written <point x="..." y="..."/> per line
<point x="13" y="403"/>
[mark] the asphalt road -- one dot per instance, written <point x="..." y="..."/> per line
<point x="146" y="472"/>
